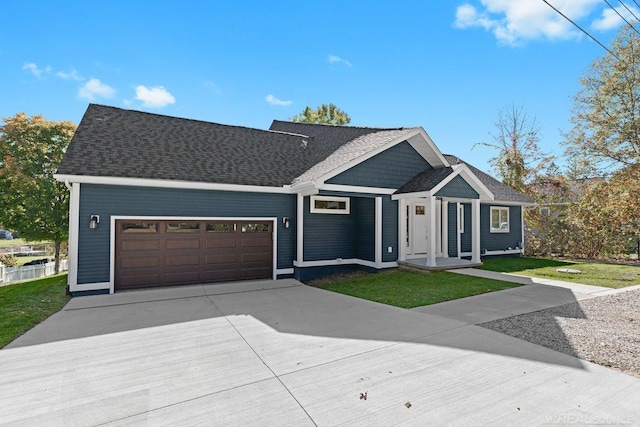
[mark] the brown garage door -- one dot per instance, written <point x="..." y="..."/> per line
<point x="161" y="253"/>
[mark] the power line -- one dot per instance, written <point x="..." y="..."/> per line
<point x="621" y="17"/>
<point x="581" y="29"/>
<point x="636" y="3"/>
<point x="629" y="10"/>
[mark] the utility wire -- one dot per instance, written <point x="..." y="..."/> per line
<point x="630" y="11"/>
<point x="581" y="29"/>
<point x="636" y="3"/>
<point x="621" y="17"/>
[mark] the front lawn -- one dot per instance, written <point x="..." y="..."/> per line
<point x="408" y="289"/>
<point x="24" y="305"/>
<point x="591" y="273"/>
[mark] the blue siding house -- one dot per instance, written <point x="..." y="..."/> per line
<point x="164" y="201"/>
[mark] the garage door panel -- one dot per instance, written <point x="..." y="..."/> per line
<point x="221" y="243"/>
<point x="191" y="243"/>
<point x="141" y="245"/>
<point x="187" y="251"/>
<point x="221" y="259"/>
<point x="140" y="262"/>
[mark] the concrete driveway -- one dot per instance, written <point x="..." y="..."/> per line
<point x="282" y="353"/>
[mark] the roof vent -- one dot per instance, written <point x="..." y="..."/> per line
<point x="304" y="143"/>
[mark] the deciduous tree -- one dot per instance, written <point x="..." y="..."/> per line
<point x="32" y="202"/>
<point x="519" y="157"/>
<point x="326" y="114"/>
<point x="606" y="112"/>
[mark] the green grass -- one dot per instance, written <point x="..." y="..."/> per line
<point x="24" y="305"/>
<point x="408" y="289"/>
<point x="592" y="273"/>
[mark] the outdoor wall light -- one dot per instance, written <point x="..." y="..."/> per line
<point x="94" y="221"/>
<point x="285" y="221"/>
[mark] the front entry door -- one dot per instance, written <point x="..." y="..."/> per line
<point x="419" y="229"/>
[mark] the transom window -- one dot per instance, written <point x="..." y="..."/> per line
<point x="139" y="227"/>
<point x="499" y="219"/>
<point x="329" y="204"/>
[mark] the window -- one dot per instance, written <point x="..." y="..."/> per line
<point x="258" y="227"/>
<point x="139" y="227"/>
<point x="183" y="227"/>
<point x="329" y="205"/>
<point x="545" y="211"/>
<point x="461" y="219"/>
<point x="499" y="220"/>
<point x="221" y="227"/>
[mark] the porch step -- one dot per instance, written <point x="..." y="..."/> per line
<point x="410" y="266"/>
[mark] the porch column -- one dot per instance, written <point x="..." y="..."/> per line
<point x="431" y="232"/>
<point x="475" y="230"/>
<point x="74" y="229"/>
<point x="402" y="229"/>
<point x="378" y="232"/>
<point x="445" y="229"/>
<point x="299" y="230"/>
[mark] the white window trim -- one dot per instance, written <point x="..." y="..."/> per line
<point x="461" y="218"/>
<point x="330" y="211"/>
<point x="499" y="230"/>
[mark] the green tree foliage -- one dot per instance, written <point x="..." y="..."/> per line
<point x="519" y="158"/>
<point x="606" y="112"/>
<point x="32" y="202"/>
<point x="325" y="114"/>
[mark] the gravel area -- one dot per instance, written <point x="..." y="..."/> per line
<point x="603" y="330"/>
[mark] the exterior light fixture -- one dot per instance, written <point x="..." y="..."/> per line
<point x="285" y="221"/>
<point x="94" y="221"/>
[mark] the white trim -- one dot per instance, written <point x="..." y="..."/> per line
<point x="522" y="229"/>
<point x="338" y="199"/>
<point x="466" y="254"/>
<point x="305" y="188"/>
<point x="445" y="228"/>
<point x="432" y="154"/>
<point x="74" y="229"/>
<point x="114" y="218"/>
<point x="499" y="230"/>
<point x="345" y="261"/>
<point x="459" y="242"/>
<point x="461" y="220"/>
<point x="475" y="230"/>
<point x="508" y="203"/>
<point x="300" y="228"/>
<point x="97" y="286"/>
<point x="166" y="183"/>
<point x="378" y="232"/>
<point x="504" y="252"/>
<point x="280" y="271"/>
<point x="403" y="219"/>
<point x="356" y="189"/>
<point x="431" y="232"/>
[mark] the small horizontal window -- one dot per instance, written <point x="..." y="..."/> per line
<point x="221" y="227"/>
<point x="183" y="227"/>
<point x="139" y="227"/>
<point x="330" y="205"/>
<point x="258" y="227"/>
<point x="499" y="220"/>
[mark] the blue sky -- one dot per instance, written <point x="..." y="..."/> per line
<point x="449" y="67"/>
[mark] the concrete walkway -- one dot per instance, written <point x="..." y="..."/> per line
<point x="282" y="353"/>
<point x="538" y="295"/>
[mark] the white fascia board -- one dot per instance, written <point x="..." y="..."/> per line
<point x="165" y="183"/>
<point x="418" y="195"/>
<point x="342" y="168"/>
<point x="423" y="144"/>
<point x="305" y="188"/>
<point x="469" y="177"/>
<point x="356" y="189"/>
<point x="508" y="203"/>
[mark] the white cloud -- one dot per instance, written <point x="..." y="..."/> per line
<point x="154" y="97"/>
<point x="72" y="75"/>
<point x="610" y="19"/>
<point x="38" y="72"/>
<point x="94" y="89"/>
<point x="275" y="101"/>
<point x="513" y="21"/>
<point x="333" y="59"/>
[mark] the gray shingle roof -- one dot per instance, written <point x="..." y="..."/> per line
<point x="112" y="142"/>
<point x="501" y="192"/>
<point x="425" y="181"/>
